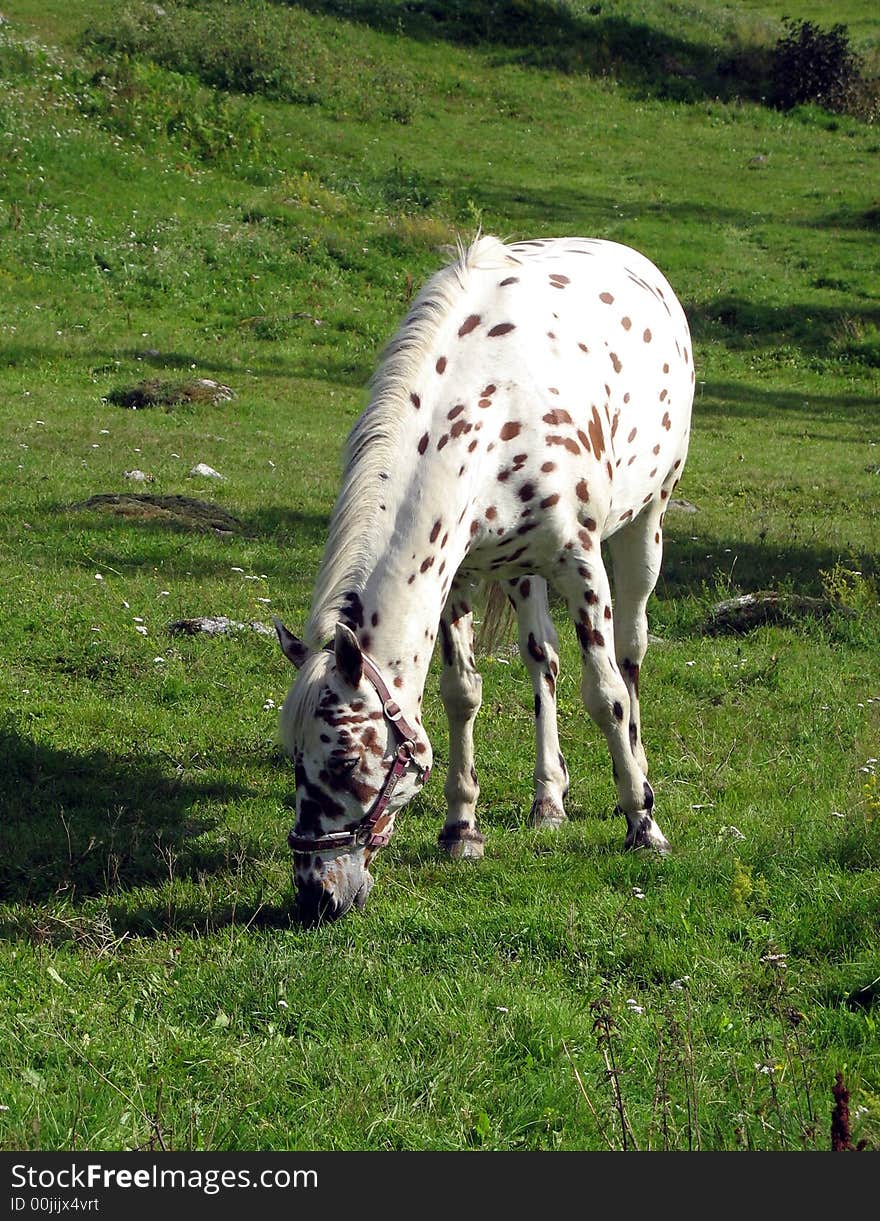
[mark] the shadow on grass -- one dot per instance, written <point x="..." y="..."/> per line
<point x="692" y="564"/>
<point x="291" y="541"/>
<point x="319" y="366"/>
<point x="74" y="825"/>
<point x="176" y="918"/>
<point x="288" y="526"/>
<point x="198" y="366"/>
<point x="549" y="36"/>
<point x="580" y="209"/>
<point x="847" y="334"/>
<point x="737" y="400"/>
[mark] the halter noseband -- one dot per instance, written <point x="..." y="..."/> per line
<point x="367" y="832"/>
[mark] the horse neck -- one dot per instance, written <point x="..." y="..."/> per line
<point x="404" y="595"/>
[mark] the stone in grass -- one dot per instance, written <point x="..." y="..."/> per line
<point x="158" y="392"/>
<point x="751" y="611"/>
<point x="176" y="511"/>
<point x="206" y="472"/>
<point x="217" y="625"/>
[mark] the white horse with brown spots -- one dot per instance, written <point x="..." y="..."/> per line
<point x="535" y="402"/>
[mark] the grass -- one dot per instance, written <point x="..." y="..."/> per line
<point x="159" y="993"/>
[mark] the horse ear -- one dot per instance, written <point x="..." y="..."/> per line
<point x="292" y="648"/>
<point x="349" y="659"/>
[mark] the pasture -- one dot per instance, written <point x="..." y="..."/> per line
<point x="174" y="207"/>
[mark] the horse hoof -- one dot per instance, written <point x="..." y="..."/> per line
<point x="546" y="813"/>
<point x="462" y="843"/>
<point x="644" y="833"/>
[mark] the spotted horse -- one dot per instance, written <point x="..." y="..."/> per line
<point x="535" y="402"/>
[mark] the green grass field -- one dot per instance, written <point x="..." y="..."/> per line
<point x="251" y="193"/>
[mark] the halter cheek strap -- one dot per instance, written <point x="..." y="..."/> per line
<point x="371" y="830"/>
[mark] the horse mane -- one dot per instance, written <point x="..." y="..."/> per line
<point x="355" y="540"/>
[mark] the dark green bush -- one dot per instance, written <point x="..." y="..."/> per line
<point x="810" y="64"/>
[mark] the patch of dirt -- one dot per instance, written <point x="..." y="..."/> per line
<point x="181" y="511"/>
<point x="158" y="392"/>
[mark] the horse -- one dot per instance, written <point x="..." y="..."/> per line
<point x="534" y="403"/>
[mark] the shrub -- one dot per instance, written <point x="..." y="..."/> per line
<point x="810" y="64"/>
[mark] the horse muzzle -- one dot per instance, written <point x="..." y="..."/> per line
<point x="320" y="902"/>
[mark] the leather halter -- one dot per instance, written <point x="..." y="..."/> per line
<point x="368" y="832"/>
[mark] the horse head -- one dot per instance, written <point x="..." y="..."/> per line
<point x="357" y="761"/>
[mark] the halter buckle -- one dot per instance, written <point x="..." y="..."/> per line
<point x="333" y="839"/>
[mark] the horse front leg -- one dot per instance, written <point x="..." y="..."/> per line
<point x="461" y="689"/>
<point x="538" y="649"/>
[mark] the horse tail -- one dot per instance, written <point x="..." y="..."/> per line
<point x="497" y="619"/>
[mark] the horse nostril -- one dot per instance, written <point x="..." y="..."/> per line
<point x="315" y="905"/>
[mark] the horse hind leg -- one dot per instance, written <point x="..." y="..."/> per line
<point x="538" y="648"/>
<point x="461" y="689"/>
<point x="584" y="584"/>
<point x="636" y="554"/>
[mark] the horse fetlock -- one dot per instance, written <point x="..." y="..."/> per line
<point x="462" y="841"/>
<point x="643" y="832"/>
